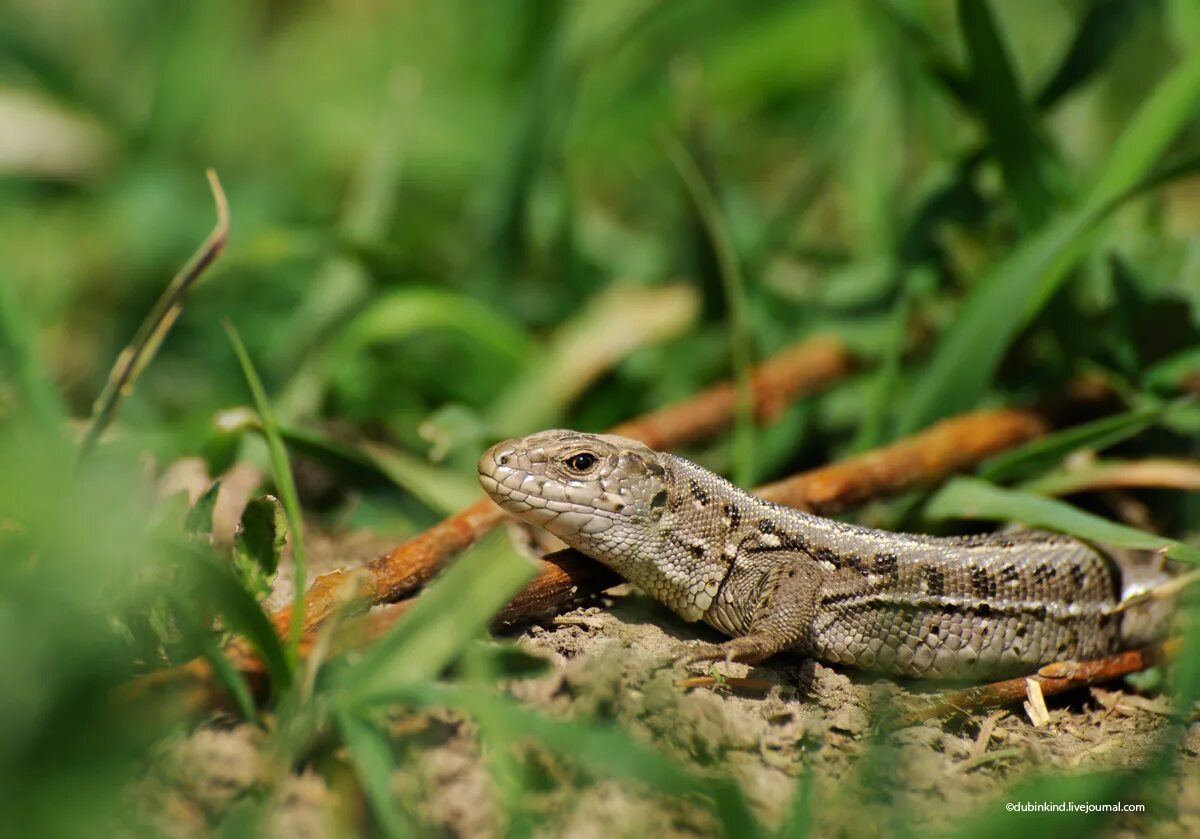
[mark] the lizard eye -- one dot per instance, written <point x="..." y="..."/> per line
<point x="580" y="462"/>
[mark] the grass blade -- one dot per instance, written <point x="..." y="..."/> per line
<point x="232" y="679"/>
<point x="973" y="498"/>
<point x="134" y="359"/>
<point x="229" y="676"/>
<point x="1150" y="131"/>
<point x="1018" y="287"/>
<point x="442" y="621"/>
<point x="371" y="755"/>
<point x="969" y="352"/>
<point x="930" y="50"/>
<point x="1169" y="374"/>
<point x="283" y="481"/>
<point x="437" y="488"/>
<point x="740" y="344"/>
<point x="199" y="521"/>
<point x="1104" y="27"/>
<point x="609" y="326"/>
<point x="1046" y="451"/>
<point x="245" y="615"/>
<point x="1013" y="134"/>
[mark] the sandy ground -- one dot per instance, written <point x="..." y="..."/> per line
<point x="618" y="661"/>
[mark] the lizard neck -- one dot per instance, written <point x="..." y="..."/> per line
<point x="692" y="539"/>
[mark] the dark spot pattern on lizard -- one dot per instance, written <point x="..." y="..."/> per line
<point x="693" y="548"/>
<point x="734" y="515"/>
<point x="1078" y="577"/>
<point x="795" y="542"/>
<point x="982" y="583"/>
<point x="675" y="502"/>
<point x="887" y="565"/>
<point x="856" y="563"/>
<point x="1009" y="574"/>
<point x="935" y="580"/>
<point x="1044" y="572"/>
<point x="698" y="492"/>
<point x="824" y="554"/>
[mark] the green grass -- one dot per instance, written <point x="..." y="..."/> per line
<point x="456" y="221"/>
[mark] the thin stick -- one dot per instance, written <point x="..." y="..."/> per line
<point x="950" y="446"/>
<point x="790" y="374"/>
<point x="134" y="359"/>
<point x="1052" y="679"/>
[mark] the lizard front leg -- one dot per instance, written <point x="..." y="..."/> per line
<point x="781" y="615"/>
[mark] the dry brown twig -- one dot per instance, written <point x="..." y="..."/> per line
<point x="1052" y="679"/>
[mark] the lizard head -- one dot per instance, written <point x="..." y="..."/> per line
<point x="593" y="491"/>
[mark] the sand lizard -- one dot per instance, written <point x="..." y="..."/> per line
<point x="775" y="578"/>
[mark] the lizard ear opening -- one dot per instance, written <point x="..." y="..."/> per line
<point x="659" y="500"/>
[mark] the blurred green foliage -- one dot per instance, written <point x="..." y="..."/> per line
<point x="457" y="220"/>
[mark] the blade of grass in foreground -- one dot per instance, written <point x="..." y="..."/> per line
<point x="371" y="754"/>
<point x="441" y="622"/>
<point x="285" y="484"/>
<point x="244" y="615"/>
<point x="1018" y="287"/>
<point x="972" y="498"/>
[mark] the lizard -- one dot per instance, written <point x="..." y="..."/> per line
<point x="776" y="578"/>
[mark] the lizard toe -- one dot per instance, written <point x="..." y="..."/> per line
<point x="698" y="651"/>
<point x="744" y="650"/>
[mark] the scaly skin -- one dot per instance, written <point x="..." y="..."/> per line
<point x="776" y="578"/>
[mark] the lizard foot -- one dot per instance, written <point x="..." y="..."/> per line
<point x="746" y="650"/>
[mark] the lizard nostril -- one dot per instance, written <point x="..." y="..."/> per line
<point x="503" y="460"/>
